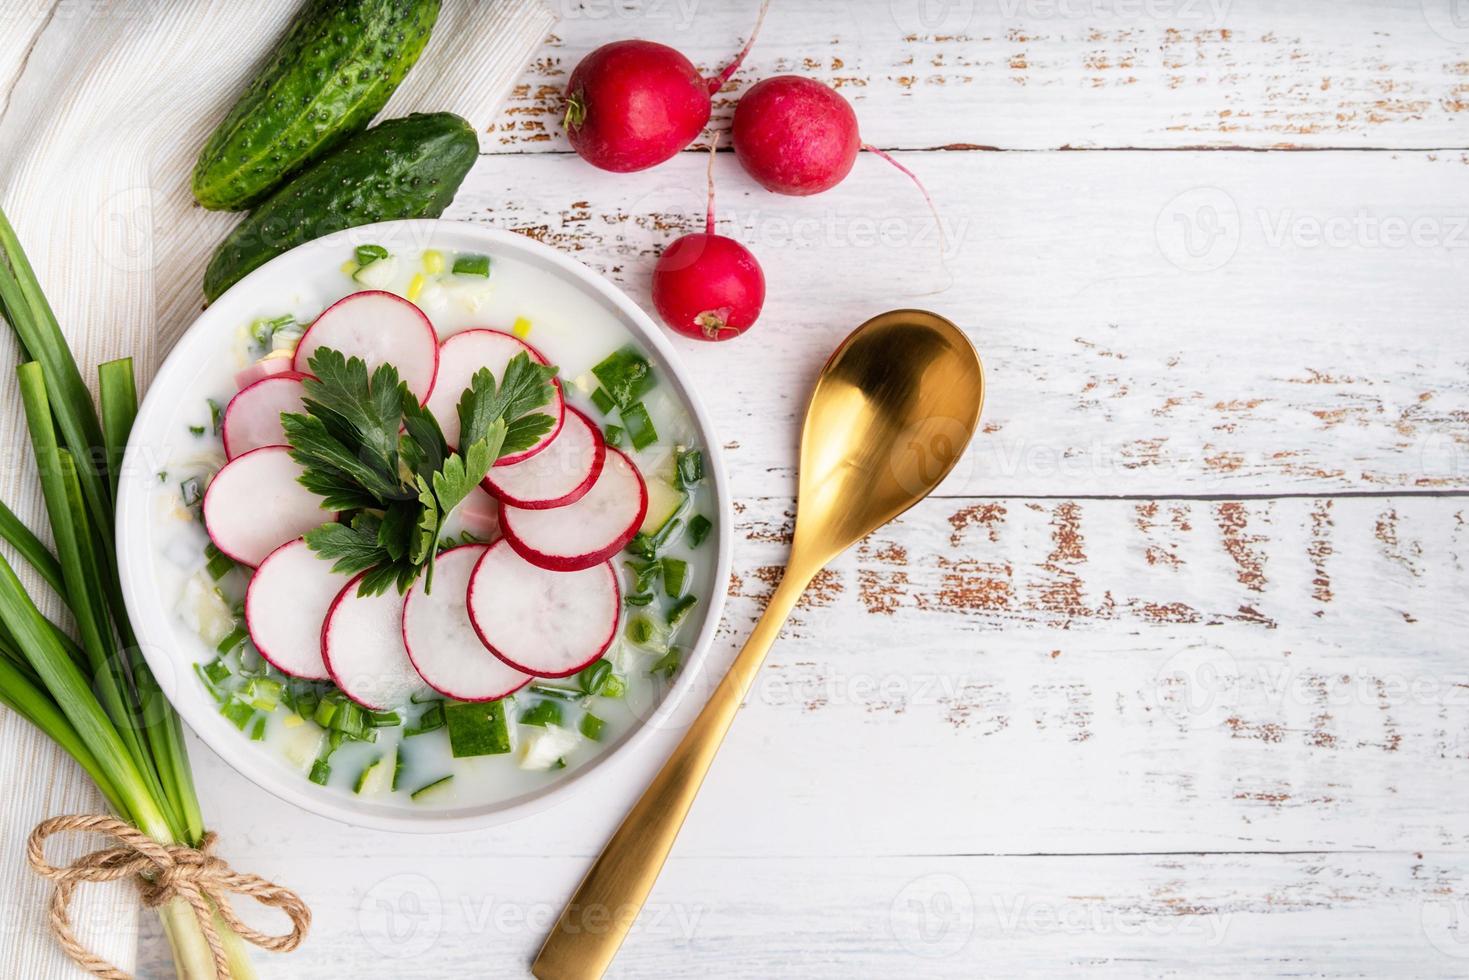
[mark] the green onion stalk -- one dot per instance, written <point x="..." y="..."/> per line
<point x="91" y="692"/>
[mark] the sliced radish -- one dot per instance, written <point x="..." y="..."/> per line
<point x="545" y="623"/>
<point x="442" y="642"/>
<point x="465" y="353"/>
<point x="286" y="603"/>
<point x="587" y="532"/>
<point x="478" y="513"/>
<point x="252" y="419"/>
<point x="255" y="504"/>
<point x="362" y="644"/>
<point x="268" y="367"/>
<point x="560" y="475"/>
<point x="380" y="328"/>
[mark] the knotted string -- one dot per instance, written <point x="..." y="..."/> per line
<point x="163" y="872"/>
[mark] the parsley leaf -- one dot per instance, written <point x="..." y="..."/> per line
<point x="370" y="450"/>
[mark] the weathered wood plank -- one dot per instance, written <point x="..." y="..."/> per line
<point x="1049" y="74"/>
<point x="1058" y="676"/>
<point x="1327" y="915"/>
<point x="1151" y="324"/>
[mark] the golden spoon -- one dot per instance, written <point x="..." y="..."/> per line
<point x="892" y="412"/>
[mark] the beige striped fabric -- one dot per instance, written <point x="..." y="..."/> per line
<point x="103" y="105"/>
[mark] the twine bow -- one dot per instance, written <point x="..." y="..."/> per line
<point x="163" y="872"/>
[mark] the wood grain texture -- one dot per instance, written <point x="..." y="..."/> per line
<point x="1168" y="680"/>
<point x="1060" y="74"/>
<point x="1150" y="323"/>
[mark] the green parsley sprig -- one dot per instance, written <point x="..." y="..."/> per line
<point x="371" y="450"/>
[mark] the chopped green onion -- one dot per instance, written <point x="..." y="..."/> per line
<point x="689" y="468"/>
<point x="191" y="492"/>
<point x="472" y="265"/>
<point x="639" y="426"/>
<point x="699" y="528"/>
<point x="552" y="691"/>
<point x="217" y="563"/>
<point x="615" y="687"/>
<point x="263" y="330"/>
<point x="418" y="793"/>
<point x="680" y="610"/>
<point x="477" y="728"/>
<point x="594" y="678"/>
<point x="368" y="254"/>
<point x="351" y="720"/>
<point x="667" y="665"/>
<point x="321" y="771"/>
<point x="397" y="769"/>
<point x="326" y="710"/>
<point x="645" y="573"/>
<point x="217" y="671"/>
<point x="627" y="376"/>
<point x="541" y="714"/>
<point x="603" y="401"/>
<point x="257" y="733"/>
<point x="675" y="576"/>
<point x="591" y="726"/>
<point x="384" y="719"/>
<point x="214" y="692"/>
<point x="238" y="712"/>
<point x="197" y="430"/>
<point x="613" y="434"/>
<point x="233" y="639"/>
<point x="419" y="697"/>
<point x="216" y="415"/>
<point x="637" y="598"/>
<point x="263" y="693"/>
<point x="431" y="720"/>
<point x="642" y="631"/>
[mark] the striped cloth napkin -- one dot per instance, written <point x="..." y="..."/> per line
<point x="103" y="107"/>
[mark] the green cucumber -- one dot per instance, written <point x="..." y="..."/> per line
<point x="403" y="168"/>
<point x="335" y="69"/>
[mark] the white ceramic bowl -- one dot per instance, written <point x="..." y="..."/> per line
<point x="161" y="424"/>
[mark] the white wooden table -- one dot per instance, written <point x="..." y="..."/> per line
<point x="1169" y="678"/>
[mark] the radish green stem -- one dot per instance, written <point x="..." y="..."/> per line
<point x="932" y="208"/>
<point x="717" y="82"/>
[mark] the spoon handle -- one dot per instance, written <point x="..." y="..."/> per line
<point x="596" y="920"/>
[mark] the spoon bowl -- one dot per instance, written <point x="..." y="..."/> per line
<point x="892" y="412"/>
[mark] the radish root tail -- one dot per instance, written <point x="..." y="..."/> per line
<point x="717" y="82"/>
<point x="928" y="199"/>
<point x="709" y="205"/>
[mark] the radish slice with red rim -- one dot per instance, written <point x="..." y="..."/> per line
<point x="362" y="645"/>
<point x="560" y="475"/>
<point x="587" y="532"/>
<point x="266" y="368"/>
<point x="550" y="624"/>
<point x="252" y="419"/>
<point x="255" y="504"/>
<point x="287" y="601"/>
<point x="380" y="328"/>
<point x="465" y="353"/>
<point x="441" y="641"/>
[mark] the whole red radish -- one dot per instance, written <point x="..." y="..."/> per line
<point x="796" y="135"/>
<point x="633" y="104"/>
<point x="708" y="286"/>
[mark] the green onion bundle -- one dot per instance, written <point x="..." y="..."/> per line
<point x="93" y="694"/>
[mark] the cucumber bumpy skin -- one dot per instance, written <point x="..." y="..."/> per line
<point x="403" y="168"/>
<point x="335" y="69"/>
